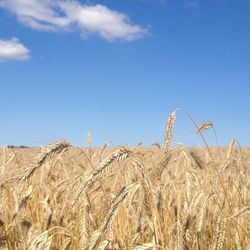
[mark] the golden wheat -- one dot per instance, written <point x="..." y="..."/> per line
<point x="136" y="198"/>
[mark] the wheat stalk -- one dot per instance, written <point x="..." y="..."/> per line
<point x="242" y="211"/>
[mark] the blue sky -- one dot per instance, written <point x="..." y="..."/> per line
<point x="118" y="68"/>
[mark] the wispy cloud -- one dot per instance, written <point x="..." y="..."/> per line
<point x="13" y="50"/>
<point x="154" y="1"/>
<point x="58" y="15"/>
<point x="191" y="3"/>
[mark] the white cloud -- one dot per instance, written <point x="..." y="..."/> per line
<point x="56" y="15"/>
<point x="13" y="50"/>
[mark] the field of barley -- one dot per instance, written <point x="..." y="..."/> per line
<point x="65" y="197"/>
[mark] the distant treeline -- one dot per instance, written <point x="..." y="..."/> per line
<point x="13" y="146"/>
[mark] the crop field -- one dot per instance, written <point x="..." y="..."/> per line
<point x="65" y="197"/>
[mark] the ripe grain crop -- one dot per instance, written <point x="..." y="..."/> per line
<point x="65" y="197"/>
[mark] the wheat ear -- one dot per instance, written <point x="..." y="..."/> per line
<point x="50" y="152"/>
<point x="169" y="131"/>
<point x="231" y="149"/>
<point x="222" y="224"/>
<point x="111" y="213"/>
<point x="204" y="126"/>
<point x="118" y="155"/>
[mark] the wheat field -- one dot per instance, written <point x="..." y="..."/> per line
<point x="65" y="197"/>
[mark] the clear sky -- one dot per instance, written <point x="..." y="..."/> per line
<point x="118" y="68"/>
